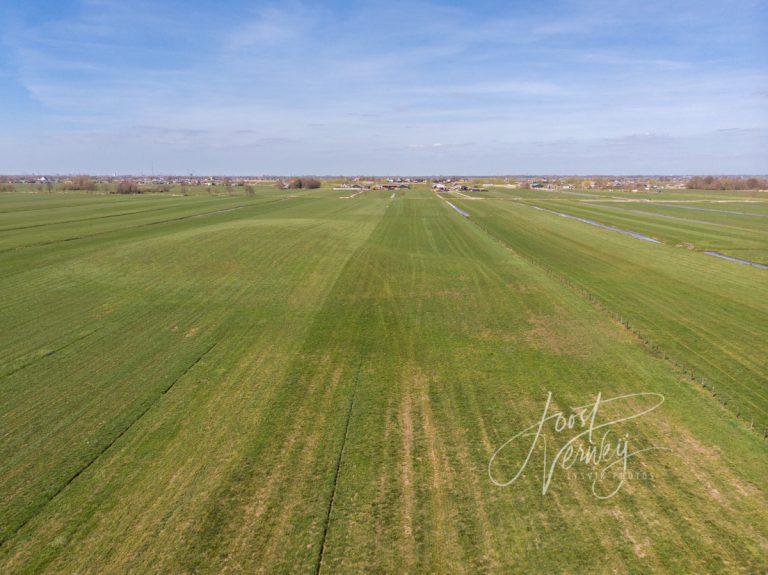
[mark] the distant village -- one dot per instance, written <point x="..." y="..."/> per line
<point x="135" y="184"/>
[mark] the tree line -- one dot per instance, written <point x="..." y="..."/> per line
<point x="726" y="183"/>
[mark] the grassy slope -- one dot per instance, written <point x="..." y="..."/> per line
<point x="368" y="356"/>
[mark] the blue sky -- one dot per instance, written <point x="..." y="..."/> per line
<point x="383" y="87"/>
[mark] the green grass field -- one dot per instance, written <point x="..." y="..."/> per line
<point x="299" y="382"/>
<point x="708" y="316"/>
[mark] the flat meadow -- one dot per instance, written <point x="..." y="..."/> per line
<point x="296" y="381"/>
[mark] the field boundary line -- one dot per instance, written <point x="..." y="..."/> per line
<point x="680" y="368"/>
<point x="90" y="219"/>
<point x="90" y="202"/>
<point x="140" y="226"/>
<point x="47" y="354"/>
<point x="339" y="459"/>
<point x="106" y="448"/>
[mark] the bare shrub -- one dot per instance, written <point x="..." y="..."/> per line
<point x="81" y="183"/>
<point x="128" y="187"/>
<point x="6" y="186"/>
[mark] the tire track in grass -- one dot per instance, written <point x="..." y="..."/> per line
<point x="440" y="477"/>
<point x="407" y="477"/>
<point x="490" y="556"/>
<point x="48" y="353"/>
<point x="339" y="460"/>
<point x="106" y="448"/>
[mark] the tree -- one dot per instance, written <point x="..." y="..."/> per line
<point x="128" y="187"/>
<point x="725" y="183"/>
<point x="695" y="183"/>
<point x="304" y="183"/>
